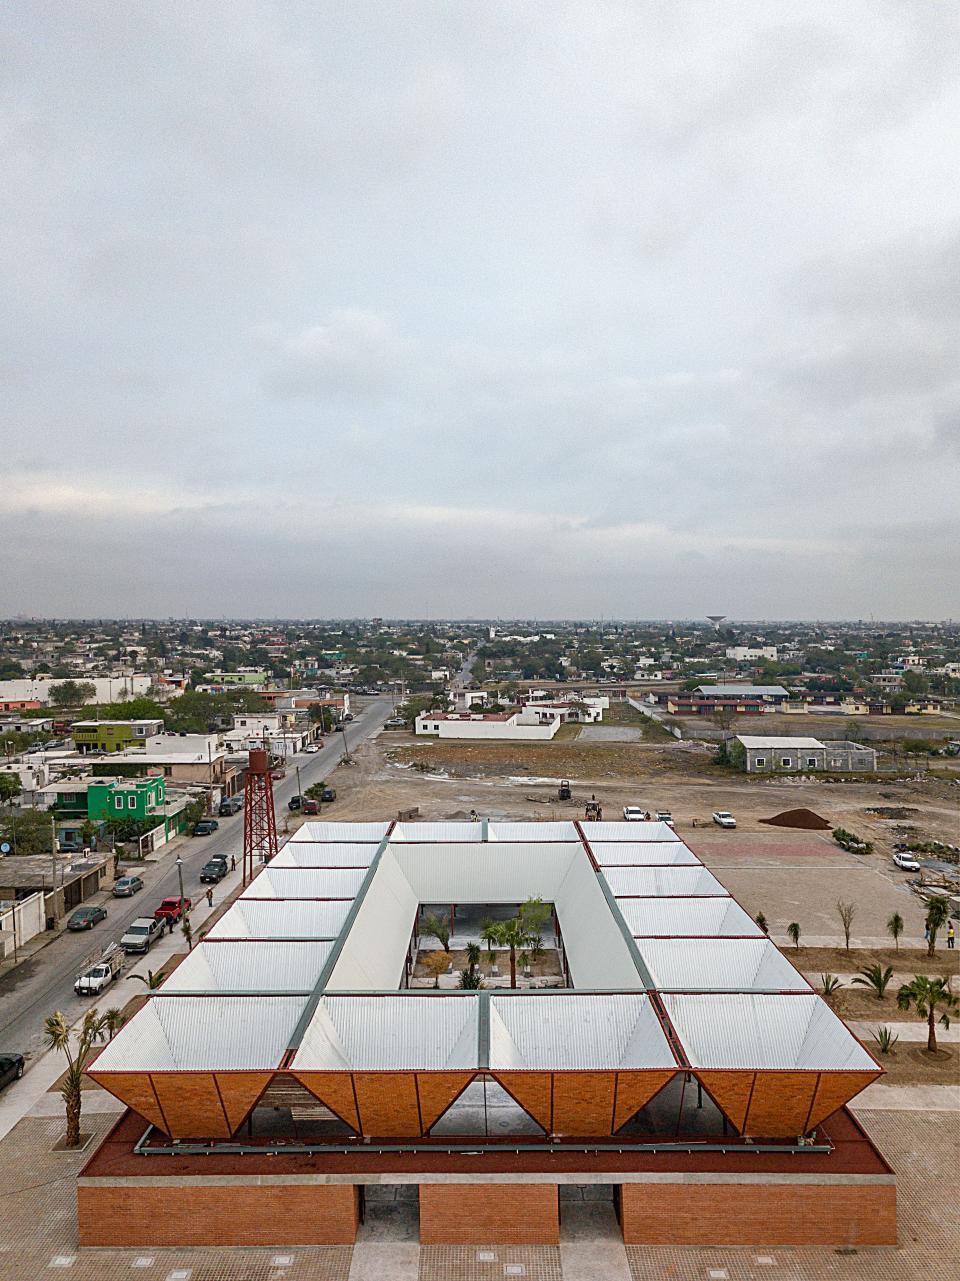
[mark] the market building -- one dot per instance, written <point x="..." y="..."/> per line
<point x="683" y="1067"/>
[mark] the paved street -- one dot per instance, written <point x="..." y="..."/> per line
<point x="44" y="983"/>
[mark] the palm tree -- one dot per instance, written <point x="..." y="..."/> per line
<point x="57" y="1034"/>
<point x="938" y="913"/>
<point x="830" y="986"/>
<point x="927" y="995"/>
<point x="473" y="957"/>
<point x="761" y="920"/>
<point x="876" y="977"/>
<point x="437" y="927"/>
<point x="490" y="933"/>
<point x="895" y="927"/>
<point x="513" y="935"/>
<point x="113" y="1021"/>
<point x="470" y="981"/>
<point x="793" y="929"/>
<point x="153" y="979"/>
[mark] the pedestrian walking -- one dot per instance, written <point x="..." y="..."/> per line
<point x="951" y="935"/>
<point x="209" y="898"/>
<point x="170" y="924"/>
<point x="233" y="862"/>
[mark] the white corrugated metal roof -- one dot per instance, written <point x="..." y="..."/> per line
<point x="312" y="854"/>
<point x="777" y="744"/>
<point x="651" y="831"/>
<point x="765" y="1032"/>
<point x="668" y="882"/>
<point x="446" y="832"/>
<point x="598" y="954"/>
<point x="546" y="831"/>
<point x="391" y="1033"/>
<point x="350" y="832"/>
<point x="375" y="948"/>
<point x="204" y="1034"/>
<point x="249" y="967"/>
<point x="643" y="853"/>
<point x="305" y="882"/>
<point x="494" y="872"/>
<point x="571" y="1033"/>
<point x="742" y="965"/>
<point x="273" y="919"/>
<point x="675" y="917"/>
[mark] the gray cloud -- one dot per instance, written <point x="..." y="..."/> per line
<point x="631" y="310"/>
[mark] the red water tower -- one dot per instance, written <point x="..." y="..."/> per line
<point x="259" y="821"/>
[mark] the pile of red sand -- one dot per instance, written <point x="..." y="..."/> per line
<point x="806" y="819"/>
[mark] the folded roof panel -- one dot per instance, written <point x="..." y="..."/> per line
<point x="643" y="853"/>
<point x="762" y="1032"/>
<point x="305" y="882"/>
<point x="325" y="854"/>
<point x="666" y="882"/>
<point x="492" y="872"/>
<point x="569" y="1033"/>
<point x="251" y="966"/>
<point x="686" y="917"/>
<point x="546" y="831"/>
<point x="404" y="833"/>
<point x="643" y="831"/>
<point x="281" y="919"/>
<point x="204" y="1034"/>
<point x="390" y="1034"/>
<point x="692" y="965"/>
<point x="339" y="832"/>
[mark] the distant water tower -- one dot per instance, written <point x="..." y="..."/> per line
<point x="716" y="619"/>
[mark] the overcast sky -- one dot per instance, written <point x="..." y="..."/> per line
<point x="426" y="309"/>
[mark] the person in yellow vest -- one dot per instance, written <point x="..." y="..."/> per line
<point x="951" y="935"/>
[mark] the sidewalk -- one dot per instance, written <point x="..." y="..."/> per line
<point x="22" y="1097"/>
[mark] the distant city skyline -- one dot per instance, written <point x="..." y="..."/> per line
<point x="450" y="309"/>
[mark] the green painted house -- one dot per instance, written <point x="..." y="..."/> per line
<point x="138" y="798"/>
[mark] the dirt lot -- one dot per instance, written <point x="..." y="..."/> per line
<point x="910" y="1064"/>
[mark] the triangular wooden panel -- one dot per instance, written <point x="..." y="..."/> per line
<point x="240" y="1091"/>
<point x="730" y="1091"/>
<point x="133" y="1089"/>
<point x="532" y="1091"/>
<point x="583" y="1103"/>
<point x="389" y="1107"/>
<point x="780" y="1104"/>
<point x="191" y="1103"/>
<point x="335" y="1091"/>
<point x="634" y="1091"/>
<point x="438" y="1091"/>
<point x="835" y="1089"/>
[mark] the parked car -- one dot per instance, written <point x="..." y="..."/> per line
<point x="394" y="722"/>
<point x="278" y="774"/>
<point x="907" y="862"/>
<point x="206" y="827"/>
<point x="213" y="871"/>
<point x="141" y="934"/>
<point x="664" y="816"/>
<point x="11" y="1068"/>
<point x="338" y="729"/>
<point x="85" y="918"/>
<point x="634" y="814"/>
<point x="91" y="982"/>
<point x="294" y="802"/>
<point x="723" y="818"/>
<point x="310" y="807"/>
<point x="230" y="805"/>
<point x="127" y="886"/>
<point x="311" y="748"/>
<point x="328" y="794"/>
<point x="348" y="716"/>
<point x="171" y="909"/>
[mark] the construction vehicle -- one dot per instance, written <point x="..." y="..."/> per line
<point x="593" y="812"/>
<point x="563" y="791"/>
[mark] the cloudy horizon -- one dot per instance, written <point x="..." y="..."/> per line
<point x="635" y="310"/>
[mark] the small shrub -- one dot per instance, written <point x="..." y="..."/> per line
<point x="885" y="1039"/>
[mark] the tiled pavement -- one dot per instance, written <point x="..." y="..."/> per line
<point x="38" y="1231"/>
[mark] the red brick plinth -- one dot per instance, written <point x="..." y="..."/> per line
<point x="219" y="1214"/>
<point x="489" y="1213"/>
<point x="758" y="1213"/>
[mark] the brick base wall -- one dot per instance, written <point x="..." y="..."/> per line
<point x="226" y="1214"/>
<point x="758" y="1214"/>
<point x="489" y="1214"/>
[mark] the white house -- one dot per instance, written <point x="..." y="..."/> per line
<point x="532" y="724"/>
<point x="748" y="654"/>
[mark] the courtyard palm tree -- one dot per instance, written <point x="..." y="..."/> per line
<point x="895" y="927"/>
<point x="473" y="957"/>
<point x="57" y="1034"/>
<point x="928" y="995"/>
<point x="938" y="913"/>
<point x="490" y="933"/>
<point x="513" y="935"/>
<point x="876" y="977"/>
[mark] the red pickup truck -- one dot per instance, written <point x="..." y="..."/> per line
<point x="171" y="909"/>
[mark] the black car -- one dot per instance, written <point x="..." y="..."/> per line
<point x="85" y="918"/>
<point x="11" y="1068"/>
<point x="294" y="802"/>
<point x="206" y="827"/>
<point x="214" y="871"/>
<point x="328" y="794"/>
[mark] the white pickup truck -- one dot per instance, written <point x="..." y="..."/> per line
<point x="100" y="975"/>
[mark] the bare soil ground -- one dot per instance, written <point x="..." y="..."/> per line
<point x="837" y="960"/>
<point x="910" y="1064"/>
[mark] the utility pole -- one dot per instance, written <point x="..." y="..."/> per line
<point x="53" y="856"/>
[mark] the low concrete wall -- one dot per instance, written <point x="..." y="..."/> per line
<point x="21" y="923"/>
